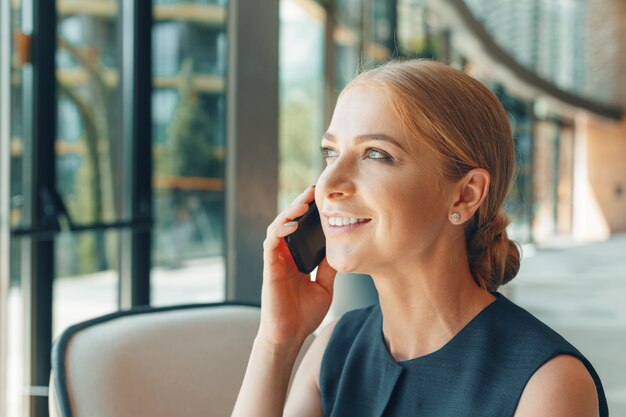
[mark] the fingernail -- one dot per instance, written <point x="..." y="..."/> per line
<point x="290" y="224"/>
<point x="298" y="202"/>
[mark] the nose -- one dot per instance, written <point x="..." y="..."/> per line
<point x="338" y="179"/>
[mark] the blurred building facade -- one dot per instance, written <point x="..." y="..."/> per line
<point x="557" y="66"/>
<point x="564" y="95"/>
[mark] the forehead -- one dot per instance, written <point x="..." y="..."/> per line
<point x="363" y="109"/>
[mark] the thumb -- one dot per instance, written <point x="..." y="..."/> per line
<point x="326" y="276"/>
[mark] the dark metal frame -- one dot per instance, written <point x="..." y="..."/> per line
<point x="40" y="96"/>
<point x="135" y="247"/>
<point x="252" y="160"/>
<point x="42" y="225"/>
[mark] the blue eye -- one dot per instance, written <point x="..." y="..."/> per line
<point x="370" y="153"/>
<point x="377" y="155"/>
<point x="327" y="152"/>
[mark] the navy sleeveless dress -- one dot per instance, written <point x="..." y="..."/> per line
<point x="481" y="372"/>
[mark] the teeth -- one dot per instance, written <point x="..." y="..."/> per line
<point x="343" y="221"/>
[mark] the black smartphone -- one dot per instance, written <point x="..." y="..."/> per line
<point x="308" y="243"/>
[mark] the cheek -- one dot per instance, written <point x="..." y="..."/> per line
<point x="411" y="216"/>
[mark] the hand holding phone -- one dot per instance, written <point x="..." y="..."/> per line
<point x="308" y="243"/>
<point x="292" y="305"/>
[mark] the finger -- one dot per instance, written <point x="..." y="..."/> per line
<point x="274" y="238"/>
<point x="282" y="226"/>
<point x="306" y="196"/>
<point x="326" y="276"/>
<point x="276" y="250"/>
<point x="278" y="225"/>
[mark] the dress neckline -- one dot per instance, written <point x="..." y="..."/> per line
<point x="442" y="349"/>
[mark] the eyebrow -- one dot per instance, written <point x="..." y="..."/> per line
<point x="366" y="137"/>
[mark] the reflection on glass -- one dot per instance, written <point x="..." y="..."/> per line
<point x="420" y="33"/>
<point x="379" y="43"/>
<point x="14" y="374"/>
<point x="15" y="342"/>
<point x="301" y="96"/>
<point x="347" y="40"/>
<point x="17" y="127"/>
<point x="551" y="38"/>
<point x="88" y="141"/>
<point x="188" y="119"/>
<point x="79" y="296"/>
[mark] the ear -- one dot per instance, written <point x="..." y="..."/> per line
<point x="469" y="193"/>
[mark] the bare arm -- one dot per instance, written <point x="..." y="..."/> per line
<point x="562" y="387"/>
<point x="264" y="387"/>
<point x="304" y="397"/>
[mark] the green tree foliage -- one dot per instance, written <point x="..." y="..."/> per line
<point x="192" y="133"/>
<point x="299" y="153"/>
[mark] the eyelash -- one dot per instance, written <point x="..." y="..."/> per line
<point x="384" y="158"/>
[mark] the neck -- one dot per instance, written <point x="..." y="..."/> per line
<point x="424" y="305"/>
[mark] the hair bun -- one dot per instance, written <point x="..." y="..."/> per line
<point x="494" y="258"/>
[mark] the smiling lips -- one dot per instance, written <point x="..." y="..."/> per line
<point x="340" y="225"/>
<point x="344" y="221"/>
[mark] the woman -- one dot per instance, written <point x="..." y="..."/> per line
<point x="419" y="159"/>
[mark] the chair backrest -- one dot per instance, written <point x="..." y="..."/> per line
<point x="174" y="361"/>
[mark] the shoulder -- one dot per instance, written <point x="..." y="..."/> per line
<point x="562" y="387"/>
<point x="554" y="379"/>
<point x="309" y="368"/>
<point x="342" y="327"/>
<point x="319" y="347"/>
<point x="519" y="331"/>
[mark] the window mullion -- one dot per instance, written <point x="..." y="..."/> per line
<point x="136" y="84"/>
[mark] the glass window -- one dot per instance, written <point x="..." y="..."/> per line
<point x="302" y="121"/>
<point x="347" y="36"/>
<point x="377" y="32"/>
<point x="189" y="135"/>
<point x="88" y="123"/>
<point x="88" y="159"/>
<point x="421" y="34"/>
<point x="15" y="339"/>
<point x="166" y="56"/>
<point x="89" y="289"/>
<point x="14" y="300"/>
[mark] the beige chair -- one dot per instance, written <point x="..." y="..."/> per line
<point x="182" y="361"/>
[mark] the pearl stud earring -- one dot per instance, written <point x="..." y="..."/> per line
<point x="455" y="217"/>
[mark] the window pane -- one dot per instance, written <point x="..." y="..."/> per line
<point x="88" y="145"/>
<point x="15" y="341"/>
<point x="14" y="377"/>
<point x="379" y="39"/>
<point x="80" y="295"/>
<point x="88" y="159"/>
<point x="347" y="39"/>
<point x="188" y="119"/>
<point x="301" y="96"/>
<point x="17" y="126"/>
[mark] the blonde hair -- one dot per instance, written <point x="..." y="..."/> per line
<point x="465" y="124"/>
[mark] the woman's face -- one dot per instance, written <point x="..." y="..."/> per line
<point x="373" y="176"/>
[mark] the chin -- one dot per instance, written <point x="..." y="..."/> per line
<point x="343" y="264"/>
